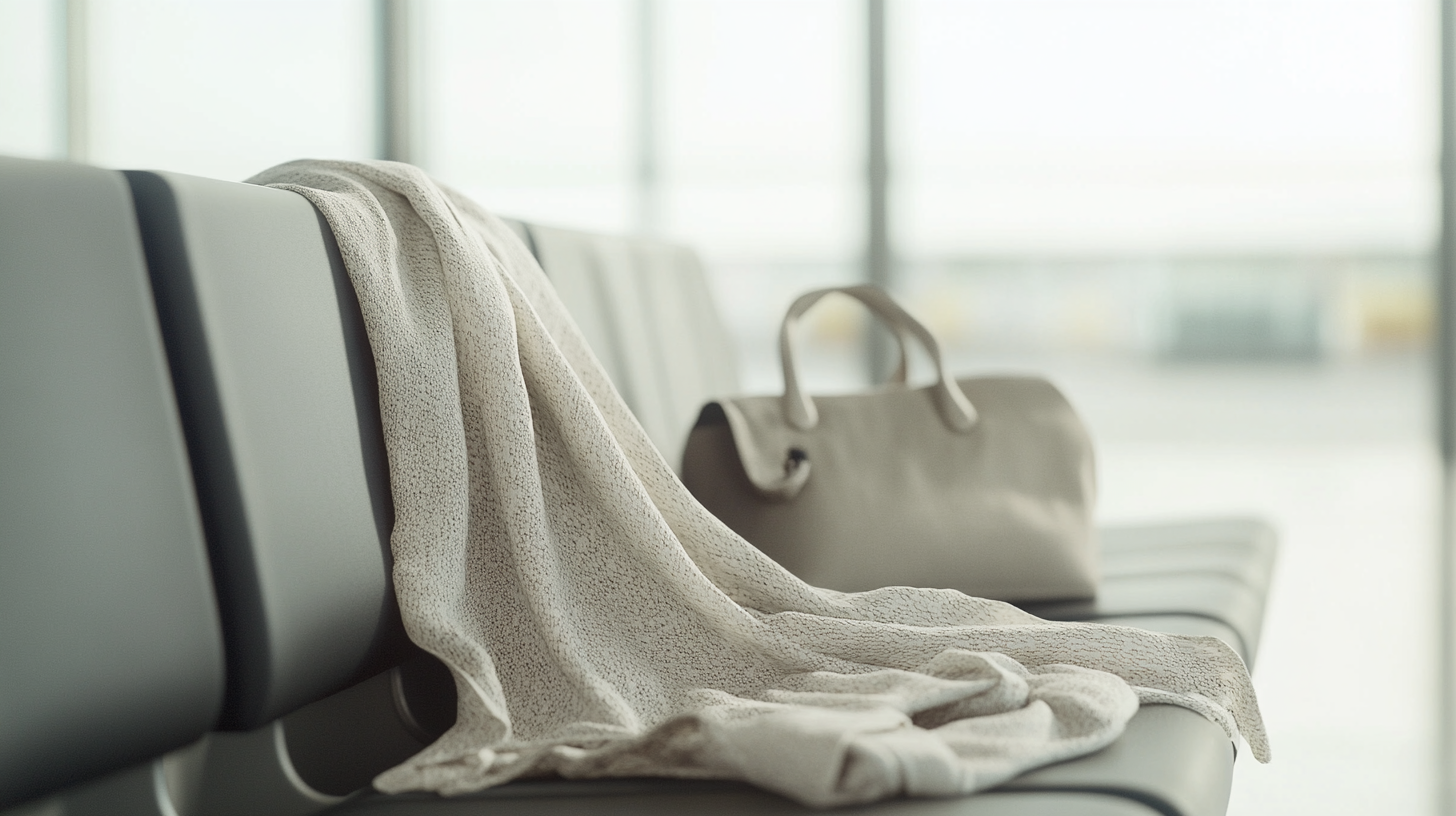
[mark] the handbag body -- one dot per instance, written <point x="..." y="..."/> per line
<point x="984" y="484"/>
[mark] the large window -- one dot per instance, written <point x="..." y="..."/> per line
<point x="763" y="160"/>
<point x="1160" y="167"/>
<point x="32" y="91"/>
<point x="1212" y="222"/>
<point x="227" y="88"/>
<point x="532" y="107"/>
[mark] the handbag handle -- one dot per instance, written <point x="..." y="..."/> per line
<point x="799" y="410"/>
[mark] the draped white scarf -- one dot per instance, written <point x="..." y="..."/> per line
<point x="599" y="622"/>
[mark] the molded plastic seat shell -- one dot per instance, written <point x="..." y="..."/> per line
<point x="110" y="648"/>
<point x="279" y="402"/>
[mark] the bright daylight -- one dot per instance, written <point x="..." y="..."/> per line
<point x="984" y="407"/>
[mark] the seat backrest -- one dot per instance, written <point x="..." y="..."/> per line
<point x="695" y="351"/>
<point x="646" y="310"/>
<point x="278" y="398"/>
<point x="279" y="403"/>
<point x="110" y="648"/>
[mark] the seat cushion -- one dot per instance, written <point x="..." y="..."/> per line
<point x="632" y="797"/>
<point x="1170" y="761"/>
<point x="1175" y="575"/>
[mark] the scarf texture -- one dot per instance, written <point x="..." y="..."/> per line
<point x="599" y="622"/>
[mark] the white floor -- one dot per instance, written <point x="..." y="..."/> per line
<point x="1345" y="668"/>
<point x="1340" y="459"/>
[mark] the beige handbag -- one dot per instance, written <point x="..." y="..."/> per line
<point x="985" y="484"/>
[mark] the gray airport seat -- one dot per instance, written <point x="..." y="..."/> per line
<point x="274" y="388"/>
<point x="110" y="647"/>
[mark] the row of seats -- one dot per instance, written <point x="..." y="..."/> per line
<point x="196" y="614"/>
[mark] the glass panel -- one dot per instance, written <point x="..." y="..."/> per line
<point x="30" y="78"/>
<point x="1211" y="223"/>
<point x="1072" y="132"/>
<point x="762" y="144"/>
<point x="529" y="107"/>
<point x="228" y="88"/>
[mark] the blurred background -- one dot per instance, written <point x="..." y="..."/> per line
<point x="1212" y="222"/>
